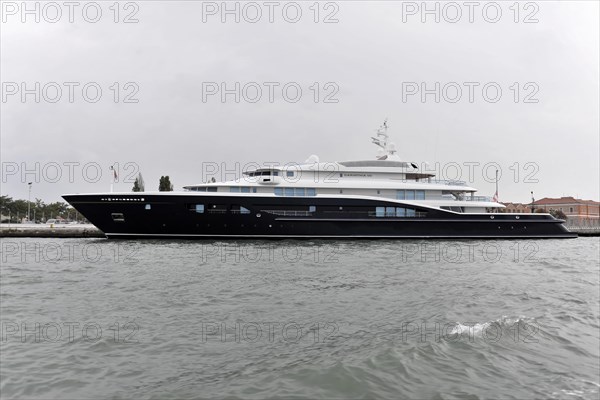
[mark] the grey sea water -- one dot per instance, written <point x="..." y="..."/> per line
<point x="89" y="318"/>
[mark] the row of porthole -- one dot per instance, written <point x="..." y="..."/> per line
<point x="225" y="225"/>
<point x="121" y="199"/>
<point x="516" y="217"/>
<point x="512" y="227"/>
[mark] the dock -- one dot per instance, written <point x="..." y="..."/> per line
<point x="585" y="230"/>
<point x="51" y="230"/>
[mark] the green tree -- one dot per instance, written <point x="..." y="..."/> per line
<point x="40" y="211"/>
<point x="138" y="185"/>
<point x="558" y="214"/>
<point x="164" y="184"/>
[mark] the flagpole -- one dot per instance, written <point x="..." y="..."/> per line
<point x="112" y="177"/>
<point x="496" y="184"/>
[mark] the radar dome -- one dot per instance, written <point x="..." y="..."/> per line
<point x="313" y="159"/>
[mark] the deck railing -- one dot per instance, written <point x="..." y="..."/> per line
<point x="289" y="213"/>
<point x="478" y="198"/>
<point x="446" y="182"/>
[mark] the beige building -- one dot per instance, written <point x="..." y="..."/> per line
<point x="517" y="208"/>
<point x="574" y="209"/>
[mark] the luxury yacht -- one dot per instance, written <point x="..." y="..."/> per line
<point x="384" y="197"/>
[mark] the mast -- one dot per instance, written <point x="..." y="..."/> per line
<point x="382" y="141"/>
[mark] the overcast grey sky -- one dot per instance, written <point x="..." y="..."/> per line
<point x="546" y="127"/>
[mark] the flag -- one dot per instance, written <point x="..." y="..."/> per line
<point x="115" y="176"/>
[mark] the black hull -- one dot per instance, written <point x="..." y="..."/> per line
<point x="172" y="216"/>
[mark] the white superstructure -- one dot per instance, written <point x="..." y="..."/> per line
<point x="387" y="176"/>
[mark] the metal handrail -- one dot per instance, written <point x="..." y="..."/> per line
<point x="289" y="213"/>
<point x="477" y="198"/>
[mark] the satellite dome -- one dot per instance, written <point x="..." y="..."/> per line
<point x="313" y="159"/>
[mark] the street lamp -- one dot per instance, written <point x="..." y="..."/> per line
<point x="29" y="201"/>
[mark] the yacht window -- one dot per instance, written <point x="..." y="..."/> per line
<point x="410" y="212"/>
<point x="118" y="217"/>
<point x="244" y="210"/>
<point x="410" y="195"/>
<point x="253" y="190"/>
<point x="294" y="191"/>
<point x="289" y="173"/>
<point x="245" y="189"/>
<point x="312" y="208"/>
<point x="400" y="212"/>
<point x="198" y="208"/>
<point x="275" y="173"/>
<point x="420" y="195"/>
<point x="211" y="189"/>
<point x="234" y="189"/>
<point x="400" y="195"/>
<point x="148" y="207"/>
<point x="379" y="211"/>
<point x="390" y="211"/>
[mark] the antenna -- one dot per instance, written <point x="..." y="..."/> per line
<point x="382" y="141"/>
